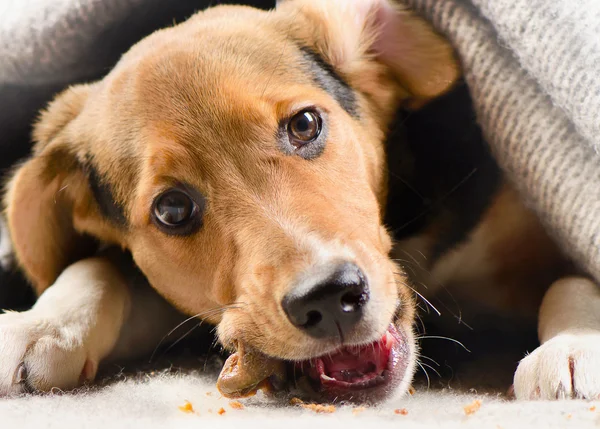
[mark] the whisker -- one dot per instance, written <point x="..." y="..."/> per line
<point x="426" y="374"/>
<point x="420" y="319"/>
<point x="182" y="337"/>
<point x="429" y="359"/>
<point x="426" y="300"/>
<point x="432" y="368"/>
<point x="412" y="270"/>
<point x="403" y="261"/>
<point x="458" y="316"/>
<point x="426" y="337"/>
<point x="209" y="312"/>
<point x="411" y="257"/>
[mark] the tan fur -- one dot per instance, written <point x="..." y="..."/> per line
<point x="199" y="104"/>
<point x="508" y="260"/>
<point x="504" y="265"/>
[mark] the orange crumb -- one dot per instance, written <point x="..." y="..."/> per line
<point x="186" y="407"/>
<point x="358" y="410"/>
<point x="473" y="407"/>
<point x="208" y="393"/>
<point x="317" y="408"/>
<point x="569" y="416"/>
<point x="411" y="390"/>
<point x="296" y="401"/>
<point x="236" y="405"/>
<point x="402" y="411"/>
<point x="593" y="408"/>
<point x="221" y="411"/>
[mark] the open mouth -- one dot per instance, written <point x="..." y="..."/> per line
<point x="366" y="373"/>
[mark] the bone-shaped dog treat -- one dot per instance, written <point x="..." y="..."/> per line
<point x="247" y="371"/>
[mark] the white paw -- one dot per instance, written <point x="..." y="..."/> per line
<point x="567" y="366"/>
<point x="38" y="355"/>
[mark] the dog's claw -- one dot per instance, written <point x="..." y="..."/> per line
<point x="21" y="374"/>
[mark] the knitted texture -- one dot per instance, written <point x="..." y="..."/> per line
<point x="43" y="41"/>
<point x="532" y="68"/>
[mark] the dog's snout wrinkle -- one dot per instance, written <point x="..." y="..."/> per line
<point x="328" y="303"/>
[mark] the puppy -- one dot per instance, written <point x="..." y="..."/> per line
<point x="239" y="158"/>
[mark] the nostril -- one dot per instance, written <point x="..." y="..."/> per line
<point x="313" y="318"/>
<point x="326" y="303"/>
<point x="353" y="301"/>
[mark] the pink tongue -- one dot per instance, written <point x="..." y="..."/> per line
<point x="355" y="362"/>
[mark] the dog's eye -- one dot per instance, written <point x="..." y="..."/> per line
<point x="304" y="127"/>
<point x="176" y="212"/>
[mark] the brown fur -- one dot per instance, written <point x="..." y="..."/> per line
<point x="200" y="104"/>
<point x="505" y="265"/>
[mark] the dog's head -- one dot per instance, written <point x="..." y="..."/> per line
<point x="239" y="157"/>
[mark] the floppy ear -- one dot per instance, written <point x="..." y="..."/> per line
<point x="350" y="32"/>
<point x="43" y="193"/>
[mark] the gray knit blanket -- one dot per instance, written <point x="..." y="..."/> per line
<point x="533" y="68"/>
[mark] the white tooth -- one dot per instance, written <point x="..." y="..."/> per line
<point x="388" y="338"/>
<point x="326" y="377"/>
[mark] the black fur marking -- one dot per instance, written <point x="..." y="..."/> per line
<point x="109" y="207"/>
<point x="441" y="171"/>
<point x="327" y="78"/>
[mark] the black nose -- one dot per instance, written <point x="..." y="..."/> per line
<point x="329" y="303"/>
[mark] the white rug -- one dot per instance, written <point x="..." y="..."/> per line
<point x="155" y="402"/>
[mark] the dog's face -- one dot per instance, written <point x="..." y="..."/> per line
<point x="239" y="157"/>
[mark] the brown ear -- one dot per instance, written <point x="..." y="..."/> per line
<point x="40" y="197"/>
<point x="348" y="32"/>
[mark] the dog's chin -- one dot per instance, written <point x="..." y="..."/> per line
<point x="367" y="373"/>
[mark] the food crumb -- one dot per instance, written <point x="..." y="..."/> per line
<point x="208" y="393"/>
<point x="186" y="407"/>
<point x="473" y="407"/>
<point x="356" y="411"/>
<point x="318" y="408"/>
<point x="296" y="401"/>
<point x="236" y="405"/>
<point x="411" y="390"/>
<point x="402" y="411"/>
<point x="221" y="411"/>
<point x="569" y="416"/>
<point x="593" y="408"/>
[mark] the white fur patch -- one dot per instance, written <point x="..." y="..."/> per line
<point x="567" y="366"/>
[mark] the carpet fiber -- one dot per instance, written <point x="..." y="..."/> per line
<point x="155" y="401"/>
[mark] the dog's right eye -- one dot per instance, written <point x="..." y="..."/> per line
<point x="175" y="212"/>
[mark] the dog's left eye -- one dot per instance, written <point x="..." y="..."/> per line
<point x="304" y="127"/>
<point x="175" y="212"/>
